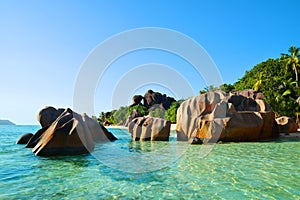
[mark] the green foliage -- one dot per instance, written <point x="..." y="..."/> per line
<point x="276" y="78"/>
<point x="141" y="108"/>
<point x="120" y="115"/>
<point x="101" y="118"/>
<point x="285" y="97"/>
<point x="111" y="119"/>
<point x="259" y="83"/>
<point x="292" y="61"/>
<point x="171" y="113"/>
<point x="108" y="116"/>
<point x="210" y="88"/>
<point x="158" y="112"/>
<point x="226" y="87"/>
<point x="277" y="85"/>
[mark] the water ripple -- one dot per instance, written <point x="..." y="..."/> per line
<point x="269" y="170"/>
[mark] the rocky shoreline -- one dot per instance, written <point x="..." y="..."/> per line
<point x="208" y="118"/>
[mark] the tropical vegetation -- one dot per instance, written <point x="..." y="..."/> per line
<point x="276" y="78"/>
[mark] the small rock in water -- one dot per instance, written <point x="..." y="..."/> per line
<point x="24" y="138"/>
<point x="195" y="140"/>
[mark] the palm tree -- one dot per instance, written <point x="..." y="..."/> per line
<point x="292" y="60"/>
<point x="259" y="83"/>
<point x="286" y="89"/>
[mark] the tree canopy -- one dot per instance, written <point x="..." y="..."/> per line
<point x="276" y="78"/>
<point x="276" y="82"/>
<point x="292" y="61"/>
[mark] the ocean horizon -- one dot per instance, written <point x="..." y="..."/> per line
<point x="256" y="170"/>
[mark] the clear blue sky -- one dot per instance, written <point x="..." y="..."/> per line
<point x="44" y="43"/>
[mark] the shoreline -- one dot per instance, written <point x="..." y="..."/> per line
<point x="172" y="128"/>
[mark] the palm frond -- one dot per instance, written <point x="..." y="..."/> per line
<point x="287" y="92"/>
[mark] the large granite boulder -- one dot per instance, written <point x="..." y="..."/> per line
<point x="213" y="117"/>
<point x="190" y="111"/>
<point x="69" y="134"/>
<point x="286" y="125"/>
<point x="149" y="128"/>
<point x="152" y="98"/>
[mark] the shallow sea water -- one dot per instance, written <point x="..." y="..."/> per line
<point x="260" y="170"/>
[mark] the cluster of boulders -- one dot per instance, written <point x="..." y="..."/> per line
<point x="237" y="117"/>
<point x="65" y="132"/>
<point x="216" y="116"/>
<point x="152" y="98"/>
<point x="208" y="118"/>
<point x="144" y="128"/>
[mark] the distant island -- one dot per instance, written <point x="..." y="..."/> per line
<point x="6" y="122"/>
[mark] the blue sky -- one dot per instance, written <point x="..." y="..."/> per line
<point x="44" y="43"/>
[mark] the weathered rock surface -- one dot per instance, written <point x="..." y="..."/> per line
<point x="134" y="114"/>
<point x="69" y="134"/>
<point x="152" y="98"/>
<point x="48" y="115"/>
<point x="213" y="117"/>
<point x="286" y="125"/>
<point x="136" y="100"/>
<point x="24" y="138"/>
<point x="149" y="128"/>
<point x="249" y="94"/>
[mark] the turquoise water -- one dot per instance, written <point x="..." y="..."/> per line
<point x="269" y="170"/>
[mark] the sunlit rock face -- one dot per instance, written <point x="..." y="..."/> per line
<point x="216" y="116"/>
<point x="65" y="132"/>
<point x="149" y="129"/>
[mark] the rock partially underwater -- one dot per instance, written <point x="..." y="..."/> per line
<point x="214" y="116"/>
<point x="24" y="138"/>
<point x="286" y="125"/>
<point x="65" y="132"/>
<point x="149" y="128"/>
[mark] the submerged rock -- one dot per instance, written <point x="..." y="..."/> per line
<point x="69" y="134"/>
<point x="213" y="117"/>
<point x="149" y="128"/>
